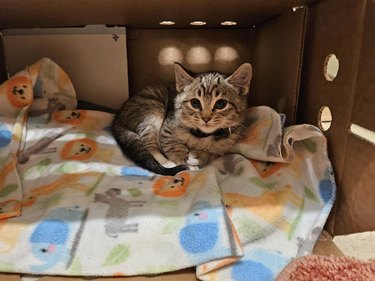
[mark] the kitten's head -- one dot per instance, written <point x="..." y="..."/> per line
<point x="212" y="100"/>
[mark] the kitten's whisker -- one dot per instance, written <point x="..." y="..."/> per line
<point x="240" y="129"/>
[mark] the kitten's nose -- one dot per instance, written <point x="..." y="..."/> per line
<point x="206" y="119"/>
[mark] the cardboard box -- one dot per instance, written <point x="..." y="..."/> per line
<point x="82" y="52"/>
<point x="288" y="43"/>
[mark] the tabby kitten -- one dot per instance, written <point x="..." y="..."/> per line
<point x="168" y="129"/>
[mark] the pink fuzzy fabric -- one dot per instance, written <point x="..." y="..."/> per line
<point x="323" y="268"/>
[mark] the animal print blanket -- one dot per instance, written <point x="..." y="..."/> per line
<point x="72" y="204"/>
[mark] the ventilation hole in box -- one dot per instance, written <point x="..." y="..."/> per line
<point x="228" y="23"/>
<point x="362" y="133"/>
<point x="324" y="118"/>
<point x="198" y="23"/>
<point x="331" y="67"/>
<point x="167" y="22"/>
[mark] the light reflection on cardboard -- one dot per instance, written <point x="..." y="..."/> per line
<point x="170" y="55"/>
<point x="226" y="54"/>
<point x="197" y="55"/>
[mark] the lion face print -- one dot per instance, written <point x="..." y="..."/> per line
<point x="19" y="91"/>
<point x="79" y="149"/>
<point x="168" y="186"/>
<point x="73" y="117"/>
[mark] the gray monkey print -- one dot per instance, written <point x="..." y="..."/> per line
<point x="117" y="213"/>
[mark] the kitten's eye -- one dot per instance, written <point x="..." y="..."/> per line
<point x="220" y="104"/>
<point x="195" y="103"/>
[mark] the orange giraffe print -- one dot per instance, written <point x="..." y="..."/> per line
<point x="6" y="170"/>
<point x="266" y="169"/>
<point x="9" y="234"/>
<point x="269" y="205"/>
<point x="209" y="270"/>
<point x="255" y="130"/>
<point x="10" y="208"/>
<point x="65" y="181"/>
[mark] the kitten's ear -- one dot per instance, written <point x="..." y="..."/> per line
<point x="241" y="78"/>
<point x="182" y="77"/>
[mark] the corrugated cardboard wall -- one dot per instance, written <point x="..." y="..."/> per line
<point x="278" y="61"/>
<point x="152" y="52"/>
<point x="355" y="211"/>
<point x="3" y="72"/>
<point x="336" y="27"/>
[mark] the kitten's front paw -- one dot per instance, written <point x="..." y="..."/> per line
<point x="193" y="168"/>
<point x="193" y="162"/>
<point x="169" y="164"/>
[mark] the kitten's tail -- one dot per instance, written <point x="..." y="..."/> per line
<point x="135" y="149"/>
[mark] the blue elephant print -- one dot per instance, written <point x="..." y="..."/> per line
<point x="51" y="238"/>
<point x="259" y="265"/>
<point x="201" y="230"/>
<point x="326" y="189"/>
<point x="251" y="270"/>
<point x="5" y="136"/>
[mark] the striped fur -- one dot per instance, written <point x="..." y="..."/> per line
<point x="153" y="127"/>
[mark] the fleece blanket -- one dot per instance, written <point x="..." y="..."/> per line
<point x="72" y="204"/>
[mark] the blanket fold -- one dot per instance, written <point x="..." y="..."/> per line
<point x="72" y="204"/>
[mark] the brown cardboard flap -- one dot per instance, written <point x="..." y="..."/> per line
<point x="325" y="246"/>
<point x="277" y="63"/>
<point x="136" y="13"/>
<point x="10" y="277"/>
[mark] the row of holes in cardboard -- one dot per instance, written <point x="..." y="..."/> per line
<point x="331" y="69"/>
